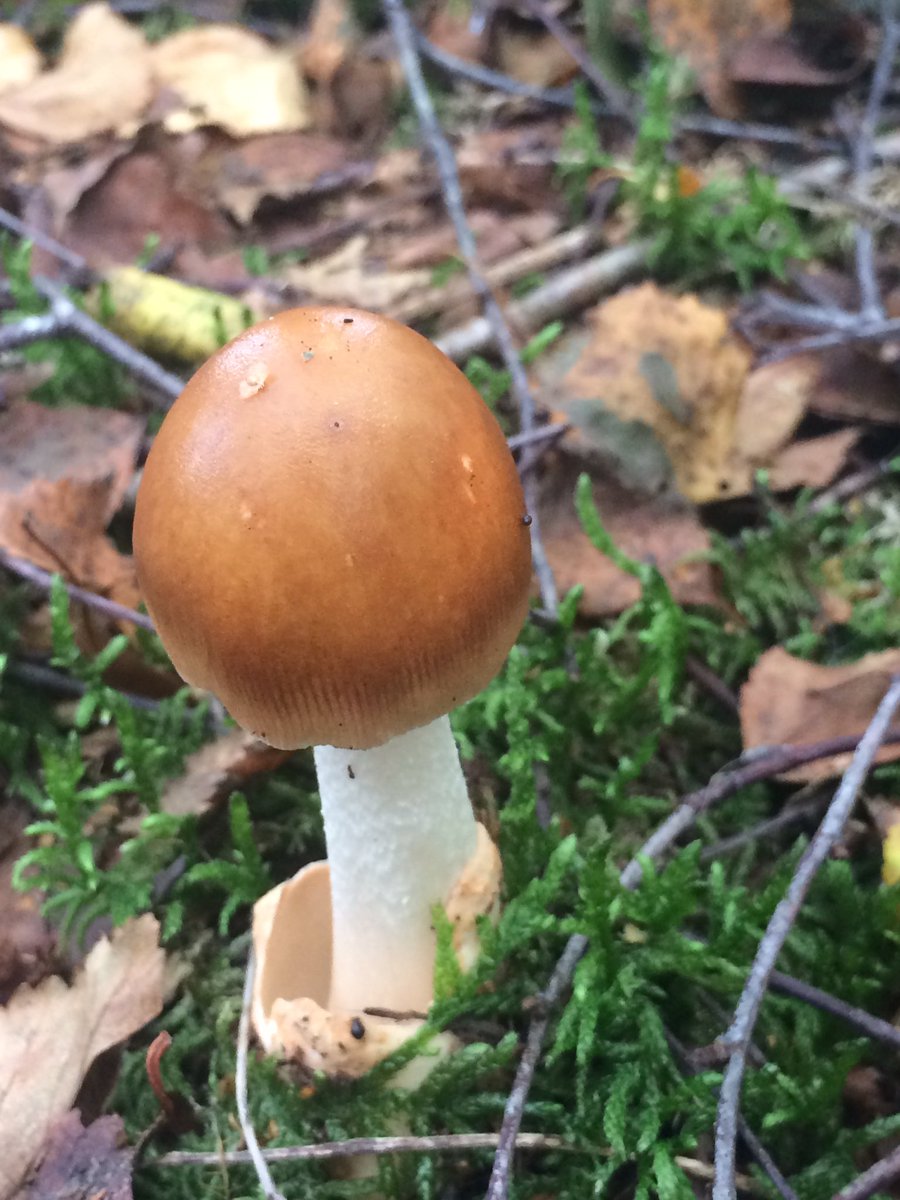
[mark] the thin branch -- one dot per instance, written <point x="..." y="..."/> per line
<point x="864" y="331"/>
<point x="876" y="1179"/>
<point x="762" y="764"/>
<point x="560" y="980"/>
<point x="65" y="319"/>
<point x="440" y="1143"/>
<point x="270" y="1191"/>
<point x="872" y="1026"/>
<point x="78" y="264"/>
<point x="871" y="306"/>
<point x="738" y="1036"/>
<point x="765" y="1160"/>
<point x="617" y="100"/>
<point x="404" y="35"/>
<point x="782" y="820"/>
<point x="44" y="580"/>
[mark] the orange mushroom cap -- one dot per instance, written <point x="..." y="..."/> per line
<point x="330" y="531"/>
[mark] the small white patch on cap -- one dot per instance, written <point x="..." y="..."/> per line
<point x="254" y="381"/>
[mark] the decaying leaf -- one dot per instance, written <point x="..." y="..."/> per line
<point x="172" y="319"/>
<point x="101" y="83"/>
<point x="50" y="1035"/>
<point x="83" y="1163"/>
<point x="662" y="530"/>
<point x="787" y="700"/>
<point x="215" y="769"/>
<point x="27" y="943"/>
<point x="63" y="474"/>
<point x="707" y="33"/>
<point x="344" y="277"/>
<point x="671" y="365"/>
<point x="20" y="59"/>
<point x="229" y="77"/>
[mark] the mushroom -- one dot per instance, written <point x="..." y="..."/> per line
<point x="330" y="536"/>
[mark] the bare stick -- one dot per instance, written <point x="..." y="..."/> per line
<point x="872" y="1026"/>
<point x="498" y="1188"/>
<point x="44" y="580"/>
<point x="616" y="99"/>
<point x="404" y="35"/>
<point x="864" y="331"/>
<point x="738" y="1036"/>
<point x="270" y="1191"/>
<point x="763" y="764"/>
<point x="876" y="1179"/>
<point x="51" y="245"/>
<point x="871" y="306"/>
<point x="440" y="1143"/>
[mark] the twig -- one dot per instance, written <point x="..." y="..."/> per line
<point x="787" y="817"/>
<point x="439" y="1143"/>
<point x="763" y="765"/>
<point x="765" y="1160"/>
<point x="65" y="319"/>
<point x="872" y="1026"/>
<point x="270" y="1191"/>
<point x="616" y="99"/>
<point x="853" y="484"/>
<point x="404" y="35"/>
<point x="42" y="676"/>
<point x="871" y="307"/>
<point x="876" y="1179"/>
<point x="738" y="1036"/>
<point x="51" y="245"/>
<point x="539" y="435"/>
<point x="566" y="291"/>
<point x="44" y="580"/>
<point x="865" y="331"/>
<point x="498" y="1188"/>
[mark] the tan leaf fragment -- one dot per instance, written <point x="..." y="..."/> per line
<point x="789" y="701"/>
<point x="213" y="770"/>
<point x="50" y="1035"/>
<point x="63" y="474"/>
<point x="660" y="530"/>
<point x="707" y="32"/>
<point x="671" y="365"/>
<point x="346" y="277"/>
<point x="231" y="78"/>
<point x="101" y="83"/>
<point x="20" y="59"/>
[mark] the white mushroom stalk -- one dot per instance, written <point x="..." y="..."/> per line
<point x="399" y="830"/>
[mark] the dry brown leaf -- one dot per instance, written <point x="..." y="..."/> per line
<point x="83" y="1163"/>
<point x="20" y="59"/>
<point x="708" y="32"/>
<point x="63" y="474"/>
<point x="671" y="365"/>
<point x="50" y="1035"/>
<point x="346" y="277"/>
<point x="849" y="384"/>
<point x="450" y="29"/>
<point x="231" y="78"/>
<point x="666" y="532"/>
<point x="534" y="56"/>
<point x="102" y="83"/>
<point x="813" y="462"/>
<point x="213" y="770"/>
<point x="27" y="943"/>
<point x="789" y="701"/>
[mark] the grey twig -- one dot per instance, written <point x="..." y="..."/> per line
<point x="871" y="307"/>
<point x="737" y="1037"/>
<point x="762" y="765"/>
<point x="872" y="1026"/>
<point x="498" y="1188"/>
<point x="65" y="319"/>
<point x="877" y="1179"/>
<point x="270" y="1191"/>
<point x="44" y="580"/>
<point x="440" y="1143"/>
<point x="404" y="35"/>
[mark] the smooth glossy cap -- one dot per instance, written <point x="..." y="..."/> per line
<point x="330" y="531"/>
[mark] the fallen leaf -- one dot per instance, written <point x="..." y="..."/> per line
<point x="530" y="53"/>
<point x="50" y="1035"/>
<point x="668" y="364"/>
<point x="20" y="59"/>
<point x="229" y="77"/>
<point x="812" y="462"/>
<point x="215" y="769"/>
<point x="824" y="53"/>
<point x="847" y="384"/>
<point x="450" y="28"/>
<point x="664" y="531"/>
<point x="708" y="32"/>
<point x="83" y="1163"/>
<point x="101" y="83"/>
<point x="788" y="701"/>
<point x="171" y="319"/>
<point x="63" y="475"/>
<point x="346" y="277"/>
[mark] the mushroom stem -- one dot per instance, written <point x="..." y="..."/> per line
<point x="399" y="829"/>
